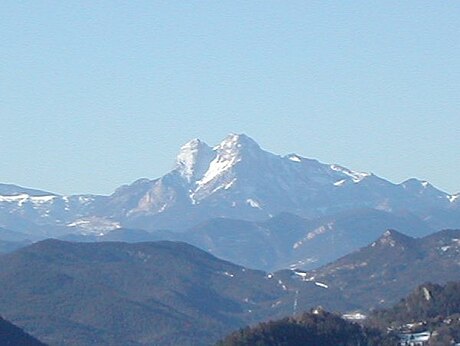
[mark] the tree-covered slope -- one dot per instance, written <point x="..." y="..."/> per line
<point x="317" y="328"/>
<point x="163" y="293"/>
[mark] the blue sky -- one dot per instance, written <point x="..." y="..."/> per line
<point x="95" y="94"/>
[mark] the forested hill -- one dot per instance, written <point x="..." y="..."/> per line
<point x="316" y="328"/>
<point x="429" y="308"/>
<point x="425" y="302"/>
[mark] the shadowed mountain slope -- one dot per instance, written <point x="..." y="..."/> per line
<point x="111" y="293"/>
<point x="380" y="273"/>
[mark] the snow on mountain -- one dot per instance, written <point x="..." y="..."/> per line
<point x="193" y="159"/>
<point x="243" y="174"/>
<point x="454" y="198"/>
<point x="235" y="179"/>
<point x="21" y="199"/>
<point x="422" y="187"/>
<point x="238" y="179"/>
<point x="355" y="176"/>
<point x="93" y="225"/>
<point x="40" y="213"/>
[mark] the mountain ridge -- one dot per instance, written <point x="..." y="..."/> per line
<point x="114" y="293"/>
<point x="380" y="273"/>
<point x="173" y="293"/>
<point x="234" y="179"/>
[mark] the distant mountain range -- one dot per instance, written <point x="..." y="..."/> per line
<point x="283" y="241"/>
<point x="379" y="274"/>
<point x="234" y="179"/>
<point x="240" y="203"/>
<point x="166" y="293"/>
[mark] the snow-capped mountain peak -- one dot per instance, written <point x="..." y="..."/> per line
<point x="193" y="159"/>
<point x="237" y="140"/>
<point x="233" y="149"/>
<point x="234" y="179"/>
<point x="236" y="145"/>
<point x="199" y="163"/>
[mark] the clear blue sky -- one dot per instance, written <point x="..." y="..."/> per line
<point x="95" y="94"/>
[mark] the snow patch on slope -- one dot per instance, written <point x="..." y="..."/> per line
<point x="321" y="284"/>
<point x="21" y="199"/>
<point x="253" y="203"/>
<point x="355" y="176"/>
<point x="340" y="182"/>
<point x="453" y="198"/>
<point x="217" y="167"/>
<point x="294" y="158"/>
<point x="94" y="225"/>
<point x="313" y="234"/>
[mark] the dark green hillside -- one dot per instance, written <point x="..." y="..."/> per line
<point x="170" y="293"/>
<point x="163" y="293"/>
<point x="427" y="301"/>
<point x="429" y="308"/>
<point x="318" y="328"/>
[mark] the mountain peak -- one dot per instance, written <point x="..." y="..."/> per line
<point x="14" y="190"/>
<point x="415" y="183"/>
<point x="199" y="163"/>
<point x="193" y="159"/>
<point x="193" y="143"/>
<point x="392" y="238"/>
<point x="237" y="142"/>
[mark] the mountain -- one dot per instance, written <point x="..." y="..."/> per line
<point x="165" y="293"/>
<point x="111" y="293"/>
<point x="427" y="301"/>
<point x="328" y="238"/>
<point x="289" y="241"/>
<point x="7" y="235"/>
<point x="10" y="335"/>
<point x="43" y="214"/>
<point x="430" y="313"/>
<point x="10" y="246"/>
<point x="12" y="240"/>
<point x="238" y="179"/>
<point x="283" y="241"/>
<point x="235" y="179"/>
<point x="13" y="190"/>
<point x="430" y="309"/>
<point x="318" y="328"/>
<point x="380" y="273"/>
